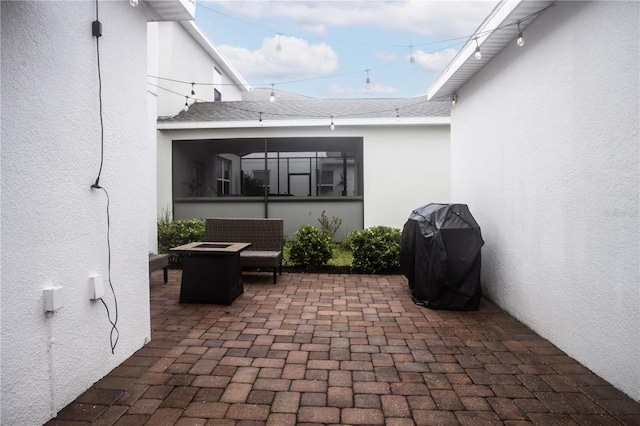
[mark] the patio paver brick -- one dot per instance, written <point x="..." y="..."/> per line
<point x="318" y="349"/>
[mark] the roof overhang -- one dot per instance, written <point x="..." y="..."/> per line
<point x="226" y="66"/>
<point x="498" y="29"/>
<point x="170" y="10"/>
<point x="350" y="122"/>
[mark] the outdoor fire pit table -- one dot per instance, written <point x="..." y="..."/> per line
<point x="211" y="272"/>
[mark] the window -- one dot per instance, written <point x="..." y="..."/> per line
<point x="223" y="176"/>
<point x="304" y="174"/>
<point x="217" y="85"/>
<point x="325" y="182"/>
<point x="290" y="167"/>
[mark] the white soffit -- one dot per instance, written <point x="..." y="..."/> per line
<point x="497" y="30"/>
<point x="171" y="10"/>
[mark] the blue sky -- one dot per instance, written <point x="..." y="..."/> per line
<point x="326" y="47"/>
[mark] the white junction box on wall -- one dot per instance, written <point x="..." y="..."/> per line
<point x="52" y="298"/>
<point x="96" y="287"/>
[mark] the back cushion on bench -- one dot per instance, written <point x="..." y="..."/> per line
<point x="263" y="234"/>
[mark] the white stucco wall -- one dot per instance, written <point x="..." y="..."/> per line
<point x="404" y="167"/>
<point x="403" y="171"/>
<point x="545" y="151"/>
<point x="53" y="225"/>
<point x="153" y="59"/>
<point x="182" y="58"/>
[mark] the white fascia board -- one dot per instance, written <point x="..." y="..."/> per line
<point x="497" y="17"/>
<point x="170" y="10"/>
<point x="364" y="122"/>
<point x="198" y="35"/>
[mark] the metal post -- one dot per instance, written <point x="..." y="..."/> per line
<point x="266" y="180"/>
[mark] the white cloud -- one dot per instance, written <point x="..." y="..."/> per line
<point x="296" y="59"/>
<point x="436" y="61"/>
<point x="435" y="18"/>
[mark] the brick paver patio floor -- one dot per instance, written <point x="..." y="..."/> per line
<point x="342" y="349"/>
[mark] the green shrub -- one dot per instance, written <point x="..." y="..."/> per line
<point x="310" y="247"/>
<point x="173" y="234"/>
<point x="376" y="249"/>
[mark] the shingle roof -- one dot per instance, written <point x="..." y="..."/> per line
<point x="304" y="109"/>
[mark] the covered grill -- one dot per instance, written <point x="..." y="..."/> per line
<point x="440" y="256"/>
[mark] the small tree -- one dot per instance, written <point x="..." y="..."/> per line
<point x="329" y="226"/>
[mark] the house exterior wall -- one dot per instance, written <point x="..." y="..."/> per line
<point x="404" y="170"/>
<point x="545" y="151"/>
<point x="182" y="58"/>
<point x="407" y="164"/>
<point x="53" y="225"/>
<point x="152" y="119"/>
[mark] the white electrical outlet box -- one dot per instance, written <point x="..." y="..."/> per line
<point x="52" y="298"/>
<point x="96" y="287"/>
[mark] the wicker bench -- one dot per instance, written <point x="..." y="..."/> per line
<point x="265" y="236"/>
<point x="159" y="261"/>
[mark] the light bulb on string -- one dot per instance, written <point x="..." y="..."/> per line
<point x="278" y="47"/>
<point x="333" y="126"/>
<point x="272" y="97"/>
<point x="133" y="3"/>
<point x="368" y="82"/>
<point x="454" y="98"/>
<point x="397" y="115"/>
<point x="260" y="122"/>
<point x="193" y="92"/>
<point x="186" y="104"/>
<point x="411" y="58"/>
<point x="478" y="54"/>
<point x="520" y="39"/>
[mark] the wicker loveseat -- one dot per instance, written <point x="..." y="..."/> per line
<point x="265" y="236"/>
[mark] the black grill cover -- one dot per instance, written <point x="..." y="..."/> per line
<point x="440" y="256"/>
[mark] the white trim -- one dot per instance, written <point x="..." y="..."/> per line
<point x="464" y="65"/>
<point x="324" y="122"/>
<point x="170" y="10"/>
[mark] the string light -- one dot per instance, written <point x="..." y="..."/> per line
<point x="272" y="97"/>
<point x="260" y="120"/>
<point x="520" y="39"/>
<point x="397" y="115"/>
<point x="478" y="54"/>
<point x="333" y="126"/>
<point x="454" y="99"/>
<point x="133" y="3"/>
<point x="368" y="82"/>
<point x="193" y="92"/>
<point x="278" y="47"/>
<point x="411" y="58"/>
<point x="186" y="104"/>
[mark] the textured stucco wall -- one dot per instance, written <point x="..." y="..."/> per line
<point x="153" y="59"/>
<point x="545" y="151"/>
<point x="54" y="229"/>
<point x="182" y="58"/>
<point x="403" y="167"/>
<point x="403" y="171"/>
